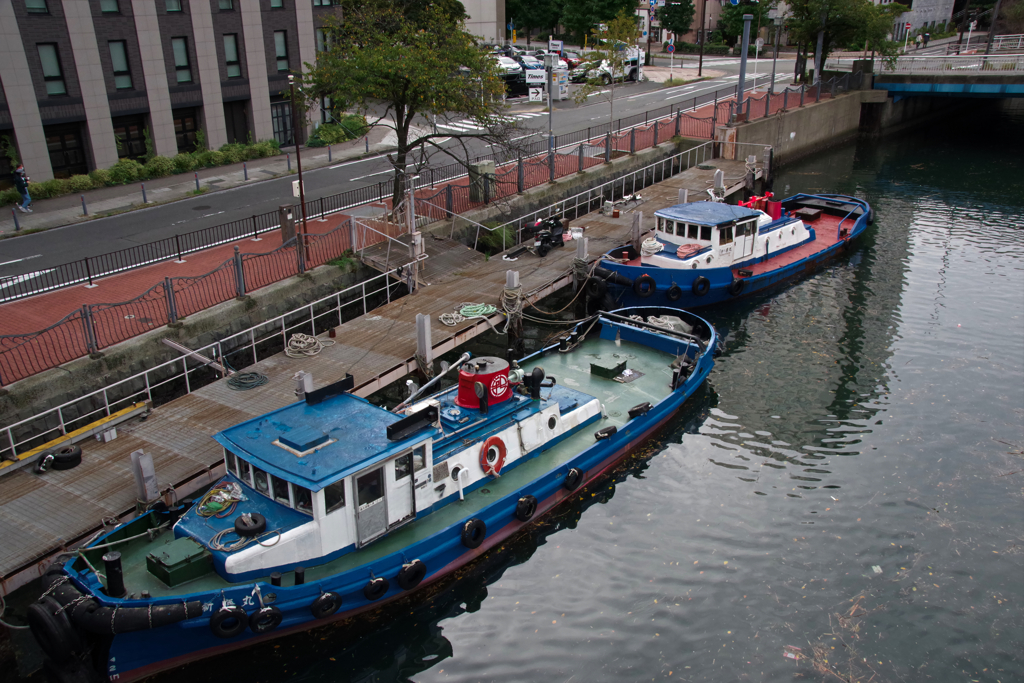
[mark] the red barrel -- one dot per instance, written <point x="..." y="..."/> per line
<point x="490" y="371"/>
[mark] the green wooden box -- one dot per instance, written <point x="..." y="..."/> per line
<point x="179" y="561"/>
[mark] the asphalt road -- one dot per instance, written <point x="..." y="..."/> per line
<point x="47" y="249"/>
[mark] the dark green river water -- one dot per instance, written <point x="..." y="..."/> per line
<point x="841" y="502"/>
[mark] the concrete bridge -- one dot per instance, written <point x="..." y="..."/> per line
<point x="976" y="75"/>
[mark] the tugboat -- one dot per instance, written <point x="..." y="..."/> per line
<point x="705" y="253"/>
<point x="332" y="506"/>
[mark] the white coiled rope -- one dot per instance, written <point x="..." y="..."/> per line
<point x="651" y="246"/>
<point x="301" y="345"/>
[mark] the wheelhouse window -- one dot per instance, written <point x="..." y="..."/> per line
<point x="231" y="462"/>
<point x="234" y="67"/>
<point x="52" y="74"/>
<point x="334" y="496"/>
<point x="260" y="481"/>
<point x="403" y="466"/>
<point x="692" y="231"/>
<point x="725" y="235"/>
<point x="181" y="63"/>
<point x="705" y="233"/>
<point x="281" y="494"/>
<point x="419" y="458"/>
<point x="119" y="61"/>
<point x="281" y="47"/>
<point x="303" y="499"/>
<point x="244" y="471"/>
<point x="36" y="7"/>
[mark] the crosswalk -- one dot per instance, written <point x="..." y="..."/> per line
<point x="470" y="126"/>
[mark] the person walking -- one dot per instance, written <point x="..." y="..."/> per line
<point x="917" y="41"/>
<point x="21" y="184"/>
<point x="927" y="37"/>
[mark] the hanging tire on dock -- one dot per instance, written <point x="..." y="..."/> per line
<point x="52" y="629"/>
<point x="525" y="508"/>
<point x="473" y="533"/>
<point x="265" y="620"/>
<point x="63" y="458"/>
<point x="255" y="525"/>
<point x="376" y="589"/>
<point x="701" y="286"/>
<point x="736" y="287"/>
<point x="411" y="575"/>
<point x="573" y="479"/>
<point x="644" y="286"/>
<point x="229" y="621"/>
<point x="596" y="287"/>
<point x="674" y="292"/>
<point x="325" y="605"/>
<point x="492" y="456"/>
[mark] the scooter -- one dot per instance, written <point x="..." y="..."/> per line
<point x="548" y="233"/>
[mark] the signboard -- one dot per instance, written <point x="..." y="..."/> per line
<point x="295" y="188"/>
<point x="555" y="46"/>
<point x="536" y="95"/>
<point x="535" y="76"/>
<point x="511" y="26"/>
<point x="760" y="43"/>
<point x="671" y="48"/>
<point x="908" y="25"/>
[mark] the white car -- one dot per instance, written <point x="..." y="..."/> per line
<point x="508" y="66"/>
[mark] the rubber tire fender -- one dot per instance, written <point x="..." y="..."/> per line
<point x="66" y="457"/>
<point x="221" y="620"/>
<point x="473" y="533"/>
<point x="411" y="575"/>
<point x="325" y="605"/>
<point x="52" y="629"/>
<point x="736" y="287"/>
<point x="525" y="508"/>
<point x="265" y="619"/>
<point x="674" y="293"/>
<point x="596" y="287"/>
<point x="701" y="286"/>
<point x="258" y="526"/>
<point x="573" y="479"/>
<point x="638" y="286"/>
<point x="376" y="589"/>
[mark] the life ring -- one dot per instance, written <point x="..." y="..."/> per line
<point x="250" y="528"/>
<point x="473" y="533"/>
<point x="492" y="456"/>
<point x="525" y="508"/>
<point x="265" y="619"/>
<point x="573" y="478"/>
<point x="325" y="605"/>
<point x="228" y="622"/>
<point x="640" y="289"/>
<point x="376" y="589"/>
<point x="52" y="629"/>
<point x="596" y="287"/>
<point x="701" y="286"/>
<point x="736" y="287"/>
<point x="411" y="575"/>
<point x="674" y="292"/>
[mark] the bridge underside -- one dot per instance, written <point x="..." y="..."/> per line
<point x="995" y="86"/>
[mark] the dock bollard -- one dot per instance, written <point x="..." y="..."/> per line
<point x="17" y="225"/>
<point x="275" y="578"/>
<point x="115" y="575"/>
<point x="300" y="576"/>
<point x="144" y="194"/>
<point x="85" y="211"/>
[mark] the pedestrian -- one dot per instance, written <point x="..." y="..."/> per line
<point x="21" y="184"/>
<point x="917" y="42"/>
<point x="927" y="37"/>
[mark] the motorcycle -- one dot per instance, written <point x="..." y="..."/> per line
<point x="548" y="233"/>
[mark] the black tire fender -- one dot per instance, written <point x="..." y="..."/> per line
<point x="473" y="533"/>
<point x="228" y="622"/>
<point x="605" y="433"/>
<point x="265" y="619"/>
<point x="254" y="528"/>
<point x="644" y="286"/>
<point x="674" y="293"/>
<point x="376" y="589"/>
<point x="640" y="409"/>
<point x="325" y="605"/>
<point x="736" y="287"/>
<point x="573" y="479"/>
<point x="596" y="287"/>
<point x="525" y="508"/>
<point x="66" y="457"/>
<point x="701" y="286"/>
<point x="52" y="629"/>
<point x="411" y="575"/>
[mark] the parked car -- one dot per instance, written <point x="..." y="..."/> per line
<point x="573" y="59"/>
<point x="508" y="65"/>
<point x="603" y="71"/>
<point x="529" y="62"/>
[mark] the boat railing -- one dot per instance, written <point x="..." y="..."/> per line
<point x="615" y="317"/>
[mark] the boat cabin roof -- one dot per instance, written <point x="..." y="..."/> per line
<point x="707" y="213"/>
<point x="315" y="445"/>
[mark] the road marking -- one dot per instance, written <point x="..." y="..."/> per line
<point x="358" y="161"/>
<point x="11" y="281"/>
<point x="212" y="214"/>
<point x="19" y="260"/>
<point x="370" y="175"/>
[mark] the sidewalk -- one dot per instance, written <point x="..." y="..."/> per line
<point x="105" y="201"/>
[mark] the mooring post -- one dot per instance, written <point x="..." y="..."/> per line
<point x="632" y="140"/>
<point x="684" y="196"/>
<point x="579" y="275"/>
<point x="580" y="153"/>
<point x="424" y="347"/>
<point x="636" y="229"/>
<point x="608" y="147"/>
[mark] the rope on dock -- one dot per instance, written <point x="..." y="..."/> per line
<point x="243" y="381"/>
<point x="301" y="345"/>
<point x="466" y="311"/>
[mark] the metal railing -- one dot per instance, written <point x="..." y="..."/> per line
<point x="174" y="378"/>
<point x="956" y="64"/>
<point x="1008" y="42"/>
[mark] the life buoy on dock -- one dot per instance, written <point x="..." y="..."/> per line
<point x="411" y="575"/>
<point x="473" y="533"/>
<point x="525" y="508"/>
<point x="228" y="622"/>
<point x="492" y="456"/>
<point x="701" y="286"/>
<point x="736" y="287"/>
<point x="265" y="619"/>
<point x="674" y="292"/>
<point x="644" y="286"/>
<point x="376" y="589"/>
<point x="325" y="605"/>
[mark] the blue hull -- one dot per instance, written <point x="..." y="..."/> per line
<point x="141" y="653"/>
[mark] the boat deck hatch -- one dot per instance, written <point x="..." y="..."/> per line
<point x="303" y="440"/>
<point x="607" y="367"/>
<point x="179" y="561"/>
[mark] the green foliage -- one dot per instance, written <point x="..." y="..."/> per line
<point x="491" y="240"/>
<point x="47" y="189"/>
<point x="211" y="158"/>
<point x="235" y="152"/>
<point x="731" y="20"/>
<point x="582" y="17"/>
<point x="183" y="162"/>
<point x="201" y="140"/>
<point x="532" y="14"/>
<point x="615" y="48"/>
<point x="676" y="16"/>
<point x="80" y="183"/>
<point x="844" y="22"/>
<point x="126" y="171"/>
<point x="150" y="149"/>
<point x="158" y="166"/>
<point x="100" y="177"/>
<point x="9" y="150"/>
<point x="10" y="196"/>
<point x="348" y="127"/>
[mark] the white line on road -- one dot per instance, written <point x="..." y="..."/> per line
<point x="370" y="175"/>
<point x="19" y="260"/>
<point x="358" y="161"/>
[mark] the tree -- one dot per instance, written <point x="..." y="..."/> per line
<point x="581" y="17"/>
<point x="533" y="14"/>
<point x="392" y="68"/>
<point x="845" y="23"/>
<point x="730" y="23"/>
<point x="615" y="45"/>
<point x="676" y="15"/>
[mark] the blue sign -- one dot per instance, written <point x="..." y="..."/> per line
<point x="671" y="48"/>
<point x="511" y="26"/>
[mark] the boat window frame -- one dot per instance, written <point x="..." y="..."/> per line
<point x="230" y="462"/>
<point x="273" y="489"/>
<point x="692" y="231"/>
<point x="705" y="233"/>
<point x="255" y="487"/>
<point x="341" y="483"/>
<point x="725" y="235"/>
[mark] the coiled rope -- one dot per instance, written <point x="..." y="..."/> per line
<point x="301" y="345"/>
<point x="466" y="311"/>
<point x="243" y="381"/>
<point x="512" y="307"/>
<point x="217" y="542"/>
<point x="651" y="246"/>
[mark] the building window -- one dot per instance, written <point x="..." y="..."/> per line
<point x="322" y="3"/>
<point x="326" y="107"/>
<point x="281" y="45"/>
<point x="181" y="65"/>
<point x="36" y="7"/>
<point x="51" y="69"/>
<point x="185" y="127"/>
<point x="226" y="5"/>
<point x="173" y="5"/>
<point x="276" y="4"/>
<point x="231" y="55"/>
<point x="324" y="40"/>
<point x="109" y="6"/>
<point x="119" y="60"/>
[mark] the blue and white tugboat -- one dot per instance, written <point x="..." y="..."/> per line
<point x="705" y="253"/>
<point x="332" y="506"/>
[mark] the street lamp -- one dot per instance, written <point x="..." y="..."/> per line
<point x="298" y="157"/>
<point x="775" y="55"/>
<point x="701" y="38"/>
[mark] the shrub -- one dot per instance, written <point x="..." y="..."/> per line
<point x="158" y="167"/>
<point x="79" y="183"/>
<point x="265" y="149"/>
<point x="48" y="188"/>
<point x="10" y="196"/>
<point x="126" y="171"/>
<point x="100" y="177"/>
<point x="184" y="162"/>
<point x="235" y="153"/>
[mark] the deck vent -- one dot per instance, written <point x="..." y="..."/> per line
<point x="303" y="440"/>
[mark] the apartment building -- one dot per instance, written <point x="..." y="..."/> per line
<point x="85" y="81"/>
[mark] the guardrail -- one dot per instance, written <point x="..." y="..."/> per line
<point x="1008" y="42"/>
<point x="956" y="64"/>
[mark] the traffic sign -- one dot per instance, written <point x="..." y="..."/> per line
<point x="760" y="43"/>
<point x="908" y="25"/>
<point x="511" y="26"/>
<point x="671" y="48"/>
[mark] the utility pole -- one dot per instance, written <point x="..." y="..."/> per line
<point x="992" y="27"/>
<point x="298" y="157"/>
<point x="702" y="38"/>
<point x="738" y="116"/>
<point x="648" y="60"/>
<point x="963" y="20"/>
<point x="775" y="54"/>
<point x="821" y="46"/>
